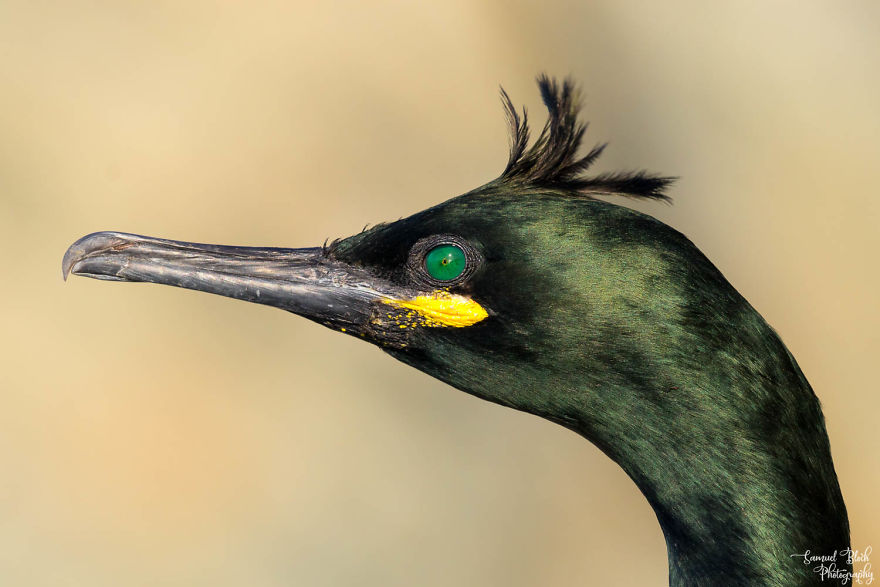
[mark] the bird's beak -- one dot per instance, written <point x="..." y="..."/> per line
<point x="303" y="281"/>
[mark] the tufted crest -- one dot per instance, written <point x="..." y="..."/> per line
<point x="552" y="161"/>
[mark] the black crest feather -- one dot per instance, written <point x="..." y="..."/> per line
<point x="552" y="160"/>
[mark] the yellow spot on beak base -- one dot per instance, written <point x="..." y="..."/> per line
<point x="443" y="309"/>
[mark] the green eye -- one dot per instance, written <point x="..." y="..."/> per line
<point x="445" y="263"/>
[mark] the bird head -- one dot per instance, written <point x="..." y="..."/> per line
<point x="526" y="278"/>
<point x="533" y="293"/>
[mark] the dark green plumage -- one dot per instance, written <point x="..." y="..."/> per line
<point x="615" y="326"/>
<point x="601" y="319"/>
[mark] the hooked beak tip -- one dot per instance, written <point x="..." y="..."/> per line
<point x="67" y="263"/>
<point x="91" y="243"/>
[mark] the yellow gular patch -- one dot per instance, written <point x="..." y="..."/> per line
<point x="441" y="308"/>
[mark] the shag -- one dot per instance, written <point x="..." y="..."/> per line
<point x="533" y="293"/>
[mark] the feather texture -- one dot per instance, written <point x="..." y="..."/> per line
<point x="552" y="161"/>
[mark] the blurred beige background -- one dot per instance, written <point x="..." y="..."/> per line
<point x="153" y="436"/>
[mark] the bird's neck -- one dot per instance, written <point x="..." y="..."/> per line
<point x="740" y="493"/>
<point x="745" y="530"/>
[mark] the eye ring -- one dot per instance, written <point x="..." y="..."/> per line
<point x="461" y="260"/>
